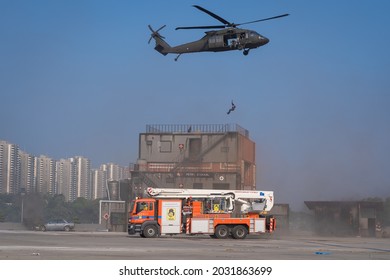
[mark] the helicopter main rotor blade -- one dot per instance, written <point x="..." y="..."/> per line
<point x="264" y="19"/>
<point x="224" y="21"/>
<point x="201" y="27"/>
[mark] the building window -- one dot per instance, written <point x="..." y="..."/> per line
<point x="165" y="146"/>
<point x="195" y="149"/>
<point x="197" y="186"/>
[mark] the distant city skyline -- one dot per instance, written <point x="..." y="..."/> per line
<point x="93" y="165"/>
<point x="72" y="177"/>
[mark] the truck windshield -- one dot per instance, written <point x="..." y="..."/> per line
<point x="141" y="206"/>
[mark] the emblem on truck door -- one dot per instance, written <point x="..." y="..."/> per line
<point x="171" y="214"/>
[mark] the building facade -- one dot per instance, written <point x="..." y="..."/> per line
<point x="83" y="179"/>
<point x="99" y="182"/>
<point x="217" y="156"/>
<point x="353" y="218"/>
<point x="66" y="178"/>
<point x="9" y="168"/>
<point x="27" y="172"/>
<point x="45" y="180"/>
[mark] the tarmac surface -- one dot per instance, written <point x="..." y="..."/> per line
<point x="99" y="245"/>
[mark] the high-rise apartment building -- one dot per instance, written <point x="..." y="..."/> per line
<point x="9" y="168"/>
<point x="27" y="172"/>
<point x="99" y="183"/>
<point x="45" y="179"/>
<point x="83" y="178"/>
<point x="113" y="171"/>
<point x="65" y="178"/>
<point x="72" y="177"/>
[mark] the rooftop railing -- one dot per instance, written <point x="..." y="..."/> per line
<point x="196" y="128"/>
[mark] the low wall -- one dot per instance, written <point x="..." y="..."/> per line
<point x="12" y="226"/>
<point x="78" y="227"/>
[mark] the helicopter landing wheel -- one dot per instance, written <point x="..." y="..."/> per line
<point x="245" y="52"/>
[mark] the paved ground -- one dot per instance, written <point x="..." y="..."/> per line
<point x="100" y="245"/>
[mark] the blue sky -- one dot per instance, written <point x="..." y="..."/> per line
<point x="79" y="78"/>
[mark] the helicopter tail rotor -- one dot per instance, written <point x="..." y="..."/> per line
<point x="155" y="33"/>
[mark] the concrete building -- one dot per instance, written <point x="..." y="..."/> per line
<point x="106" y="173"/>
<point x="198" y="156"/>
<point x="27" y="172"/>
<point x="9" y="168"/>
<point x="72" y="177"/>
<point x="354" y="218"/>
<point x="281" y="211"/>
<point x="45" y="175"/>
<point x="113" y="171"/>
<point x="99" y="182"/>
<point x="66" y="178"/>
<point x="83" y="178"/>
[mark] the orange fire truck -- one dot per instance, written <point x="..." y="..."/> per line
<point x="201" y="211"/>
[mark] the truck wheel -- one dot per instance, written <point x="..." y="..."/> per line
<point x="150" y="231"/>
<point x="43" y="228"/>
<point x="239" y="232"/>
<point x="66" y="228"/>
<point x="221" y="231"/>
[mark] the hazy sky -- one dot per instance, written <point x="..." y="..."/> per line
<point x="79" y="78"/>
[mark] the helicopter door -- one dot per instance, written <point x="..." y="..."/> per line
<point x="216" y="41"/>
<point x="231" y="40"/>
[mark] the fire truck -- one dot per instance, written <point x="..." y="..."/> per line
<point x="202" y="211"/>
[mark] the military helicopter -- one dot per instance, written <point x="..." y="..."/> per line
<point x="227" y="38"/>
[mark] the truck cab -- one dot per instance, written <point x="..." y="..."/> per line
<point x="152" y="217"/>
<point x="142" y="213"/>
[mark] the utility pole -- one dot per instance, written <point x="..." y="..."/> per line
<point x="22" y="193"/>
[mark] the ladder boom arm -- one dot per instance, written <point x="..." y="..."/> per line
<point x="263" y="199"/>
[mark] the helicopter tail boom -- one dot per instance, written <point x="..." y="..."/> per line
<point x="161" y="46"/>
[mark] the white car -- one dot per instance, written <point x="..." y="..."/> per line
<point x="58" y="224"/>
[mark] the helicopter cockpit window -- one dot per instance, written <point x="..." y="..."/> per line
<point x="253" y="34"/>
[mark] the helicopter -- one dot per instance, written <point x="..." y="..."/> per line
<point x="227" y="38"/>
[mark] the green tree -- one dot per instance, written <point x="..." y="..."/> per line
<point x="38" y="208"/>
<point x="33" y="210"/>
<point x="10" y="207"/>
<point x="85" y="211"/>
<point x="57" y="208"/>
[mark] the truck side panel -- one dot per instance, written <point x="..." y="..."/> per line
<point x="202" y="226"/>
<point x="207" y="226"/>
<point x="258" y="225"/>
<point x="170" y="216"/>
